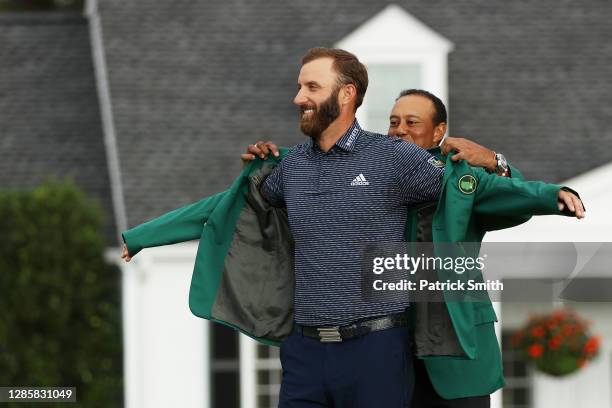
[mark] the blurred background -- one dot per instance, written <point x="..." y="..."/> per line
<point x="114" y="112"/>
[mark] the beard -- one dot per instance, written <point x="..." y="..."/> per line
<point x="314" y="124"/>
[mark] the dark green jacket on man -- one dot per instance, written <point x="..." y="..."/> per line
<point x="457" y="338"/>
<point x="243" y="275"/>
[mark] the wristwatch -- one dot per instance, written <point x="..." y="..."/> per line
<point x="502" y="164"/>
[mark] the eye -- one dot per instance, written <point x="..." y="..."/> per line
<point x="393" y="123"/>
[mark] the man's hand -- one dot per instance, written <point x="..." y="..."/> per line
<point x="125" y="255"/>
<point x="260" y="149"/>
<point x="475" y="154"/>
<point x="571" y="202"/>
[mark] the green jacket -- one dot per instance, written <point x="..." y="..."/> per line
<point x="243" y="275"/>
<point x="457" y="339"/>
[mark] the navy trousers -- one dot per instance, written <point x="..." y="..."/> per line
<point x="367" y="372"/>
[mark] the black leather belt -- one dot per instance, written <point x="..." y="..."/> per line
<point x="337" y="334"/>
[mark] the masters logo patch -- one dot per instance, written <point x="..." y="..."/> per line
<point x="467" y="184"/>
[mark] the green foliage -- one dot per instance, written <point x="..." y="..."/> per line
<point x="59" y="300"/>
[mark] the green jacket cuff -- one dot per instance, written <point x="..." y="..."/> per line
<point x="130" y="239"/>
<point x="551" y="194"/>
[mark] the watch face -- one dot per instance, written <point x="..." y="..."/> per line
<point x="502" y="164"/>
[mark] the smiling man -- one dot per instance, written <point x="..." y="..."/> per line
<point x="446" y="375"/>
<point x="419" y="117"/>
<point x="342" y="188"/>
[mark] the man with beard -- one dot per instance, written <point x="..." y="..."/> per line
<point x="343" y="188"/>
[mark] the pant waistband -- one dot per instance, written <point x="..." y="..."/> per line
<point x="336" y="334"/>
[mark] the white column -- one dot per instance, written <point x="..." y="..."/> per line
<point x="166" y="348"/>
<point x="248" y="372"/>
<point x="132" y="385"/>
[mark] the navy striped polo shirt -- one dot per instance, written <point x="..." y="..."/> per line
<point x="357" y="192"/>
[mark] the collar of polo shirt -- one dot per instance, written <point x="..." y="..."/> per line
<point x="347" y="141"/>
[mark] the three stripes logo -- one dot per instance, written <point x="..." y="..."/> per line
<point x="360" y="181"/>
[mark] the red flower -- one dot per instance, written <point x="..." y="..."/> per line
<point x="554" y="343"/>
<point x="535" y="350"/>
<point x="592" y="345"/>
<point x="538" y="332"/>
<point x="568" y="329"/>
<point x="559" y="315"/>
<point x="552" y="324"/>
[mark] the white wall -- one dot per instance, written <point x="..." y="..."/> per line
<point x="166" y="347"/>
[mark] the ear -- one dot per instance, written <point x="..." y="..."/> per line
<point x="439" y="132"/>
<point x="347" y="94"/>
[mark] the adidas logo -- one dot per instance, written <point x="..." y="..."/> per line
<point x="360" y="181"/>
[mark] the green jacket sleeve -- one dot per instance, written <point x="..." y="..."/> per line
<point x="493" y="222"/>
<point x="515" y="173"/>
<point x="503" y="196"/>
<point x="183" y="224"/>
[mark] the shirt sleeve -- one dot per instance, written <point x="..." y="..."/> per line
<point x="417" y="178"/>
<point x="272" y="187"/>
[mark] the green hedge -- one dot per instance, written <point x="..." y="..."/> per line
<point x="60" y="315"/>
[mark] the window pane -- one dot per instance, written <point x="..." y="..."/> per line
<point x="517" y="392"/>
<point x="226" y="389"/>
<point x="224" y="342"/>
<point x="385" y="83"/>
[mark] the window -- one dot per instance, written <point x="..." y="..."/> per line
<point x="518" y="390"/>
<point x="261" y="374"/>
<point x="386" y="82"/>
<point x="225" y="367"/>
<point x="269" y="375"/>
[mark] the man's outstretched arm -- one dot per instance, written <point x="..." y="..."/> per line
<point x="503" y="196"/>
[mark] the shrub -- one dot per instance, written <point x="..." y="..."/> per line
<point x="59" y="300"/>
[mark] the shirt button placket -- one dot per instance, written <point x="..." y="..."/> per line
<point x="317" y="172"/>
<point x="324" y="181"/>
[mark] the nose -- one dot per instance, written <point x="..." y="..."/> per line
<point x="401" y="130"/>
<point x="299" y="99"/>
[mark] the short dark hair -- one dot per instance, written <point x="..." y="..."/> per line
<point x="349" y="69"/>
<point x="440" y="109"/>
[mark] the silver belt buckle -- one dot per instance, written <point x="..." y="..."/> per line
<point x="329" y="334"/>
